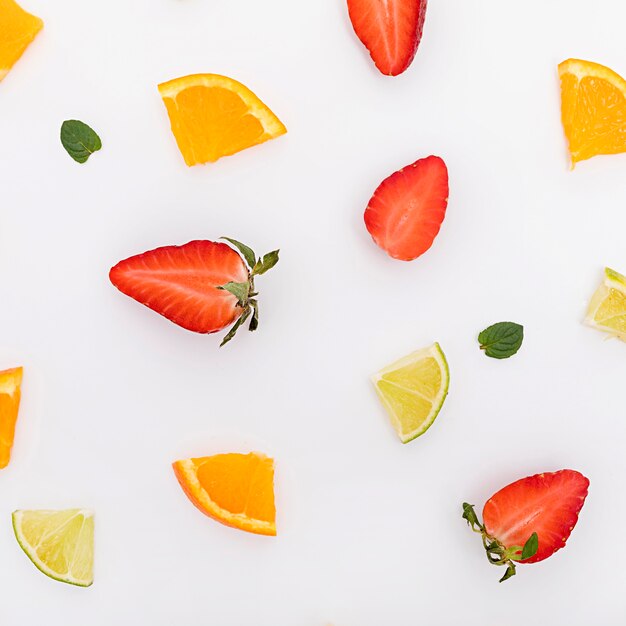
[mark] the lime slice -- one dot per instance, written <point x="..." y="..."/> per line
<point x="413" y="390"/>
<point x="59" y="543"/>
<point x="607" y="309"/>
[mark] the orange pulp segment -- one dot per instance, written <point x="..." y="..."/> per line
<point x="214" y="116"/>
<point x="17" y="29"/>
<point x="593" y="109"/>
<point x="10" y="394"/>
<point x="235" y="489"/>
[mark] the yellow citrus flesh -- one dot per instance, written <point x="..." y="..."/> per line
<point x="59" y="543"/>
<point x="17" y="30"/>
<point x="413" y="390"/>
<point x="214" y="116"/>
<point x="593" y="109"/>
<point x="607" y="309"/>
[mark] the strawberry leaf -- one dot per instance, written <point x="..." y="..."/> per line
<point x="239" y="290"/>
<point x="514" y="553"/>
<point x="497" y="553"/>
<point x="266" y="263"/>
<point x="233" y="331"/>
<point x="510" y="571"/>
<point x="530" y="547"/>
<point x="501" y="340"/>
<point x="247" y="253"/>
<point x="254" y="322"/>
<point x="470" y="515"/>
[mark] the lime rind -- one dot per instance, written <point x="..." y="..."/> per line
<point x="612" y="281"/>
<point x="30" y="551"/>
<point x="435" y="352"/>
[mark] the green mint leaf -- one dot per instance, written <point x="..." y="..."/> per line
<point x="470" y="515"/>
<point x="239" y="290"/>
<point x="247" y="253"/>
<point x="266" y="263"/>
<point x="254" y="322"/>
<point x="510" y="571"/>
<point x="530" y="547"/>
<point x="79" y="140"/>
<point x="501" y="340"/>
<point x="233" y="331"/>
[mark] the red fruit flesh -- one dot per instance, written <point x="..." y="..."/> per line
<point x="390" y="29"/>
<point x="547" y="504"/>
<point x="180" y="283"/>
<point x="407" y="209"/>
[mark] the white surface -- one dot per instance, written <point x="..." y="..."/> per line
<point x="369" y="530"/>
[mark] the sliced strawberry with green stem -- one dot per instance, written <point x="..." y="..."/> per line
<point x="203" y="286"/>
<point x="390" y="29"/>
<point x="530" y="519"/>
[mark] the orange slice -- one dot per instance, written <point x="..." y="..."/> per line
<point x="214" y="116"/>
<point x="17" y="30"/>
<point x="593" y="109"/>
<point x="235" y="489"/>
<point x="10" y="382"/>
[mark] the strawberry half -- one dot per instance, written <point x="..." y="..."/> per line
<point x="390" y="29"/>
<point x="530" y="519"/>
<point x="203" y="286"/>
<point x="407" y="209"/>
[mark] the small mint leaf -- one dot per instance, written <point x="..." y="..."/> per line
<point x="239" y="290"/>
<point x="510" y="571"/>
<point x="266" y="263"/>
<point x="233" y="331"/>
<point x="530" y="547"/>
<point x="501" y="340"/>
<point x="254" y="322"/>
<point x="79" y="140"/>
<point x="246" y="252"/>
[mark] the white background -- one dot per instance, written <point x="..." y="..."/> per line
<point x="370" y="531"/>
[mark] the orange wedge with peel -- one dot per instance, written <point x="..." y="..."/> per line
<point x="10" y="394"/>
<point x="17" y="30"/>
<point x="593" y="109"/>
<point x="234" y="489"/>
<point x="213" y="116"/>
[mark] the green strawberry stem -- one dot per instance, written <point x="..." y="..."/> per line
<point x="245" y="292"/>
<point x="498" y="553"/>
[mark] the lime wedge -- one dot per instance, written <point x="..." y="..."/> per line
<point x="59" y="543"/>
<point x="413" y="390"/>
<point x="607" y="309"/>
